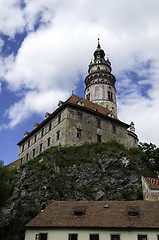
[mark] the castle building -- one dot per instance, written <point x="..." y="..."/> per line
<point x="79" y="120"/>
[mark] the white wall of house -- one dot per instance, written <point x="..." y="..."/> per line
<point x="84" y="234"/>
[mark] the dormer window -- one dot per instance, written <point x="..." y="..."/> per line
<point x="133" y="214"/>
<point x="79" y="211"/>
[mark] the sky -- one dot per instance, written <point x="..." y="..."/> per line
<point x="46" y="47"/>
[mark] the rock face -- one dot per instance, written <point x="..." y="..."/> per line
<point x="83" y="173"/>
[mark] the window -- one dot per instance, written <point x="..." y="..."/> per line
<point x="115" y="237"/>
<point x="27" y="156"/>
<point x="157" y="237"/>
<point x="73" y="236"/>
<point x="133" y="214"/>
<point x="35" y="137"/>
<point x="142" y="237"/>
<point x="41" y="236"/>
<point x="99" y="138"/>
<point x="79" y="116"/>
<point x="94" y="236"/>
<point x="41" y="147"/>
<point x="88" y="96"/>
<point x="33" y="152"/>
<point x="42" y="132"/>
<point x="79" y="133"/>
<point x="59" y="118"/>
<point x="28" y="143"/>
<point x="50" y="126"/>
<point x="110" y="96"/>
<point x="23" y="148"/>
<point x="48" y="141"/>
<point x="98" y="123"/>
<point x="113" y="129"/>
<point x="58" y="135"/>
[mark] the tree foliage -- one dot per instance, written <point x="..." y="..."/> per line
<point x="152" y="153"/>
<point x="5" y="186"/>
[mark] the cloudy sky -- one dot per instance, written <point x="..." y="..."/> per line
<point x="46" y="47"/>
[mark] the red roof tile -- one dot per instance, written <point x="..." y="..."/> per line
<point x="100" y="214"/>
<point x="88" y="104"/>
<point x="152" y="182"/>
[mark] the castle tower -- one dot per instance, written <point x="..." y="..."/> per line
<point x="100" y="83"/>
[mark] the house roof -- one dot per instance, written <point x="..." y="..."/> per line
<point x="152" y="182"/>
<point x="98" y="214"/>
<point x="74" y="101"/>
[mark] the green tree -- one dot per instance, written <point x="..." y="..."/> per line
<point x="5" y="187"/>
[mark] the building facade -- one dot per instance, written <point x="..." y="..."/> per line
<point x="96" y="220"/>
<point x="79" y="120"/>
<point x="150" y="188"/>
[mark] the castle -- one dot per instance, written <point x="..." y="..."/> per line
<point x="79" y="120"/>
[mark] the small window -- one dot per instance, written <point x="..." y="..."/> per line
<point x="115" y="237"/>
<point x="58" y="135"/>
<point x="41" y="147"/>
<point x="98" y="123"/>
<point x="42" y="132"/>
<point x="79" y="212"/>
<point x="48" y="141"/>
<point x="79" y="133"/>
<point x="88" y="96"/>
<point x="41" y="236"/>
<point x="94" y="236"/>
<point x="80" y="116"/>
<point x="59" y="118"/>
<point x="50" y="126"/>
<point x="142" y="237"/>
<point x="73" y="236"/>
<point x="113" y="129"/>
<point x="28" y="143"/>
<point x="157" y="237"/>
<point x="133" y="214"/>
<point x="33" y="152"/>
<point x="23" y="148"/>
<point x="27" y="156"/>
<point x="110" y="96"/>
<point x="99" y="138"/>
<point x="35" y="137"/>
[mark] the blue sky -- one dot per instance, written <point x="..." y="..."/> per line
<point x="46" y="47"/>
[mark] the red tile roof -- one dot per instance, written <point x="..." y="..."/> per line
<point x="88" y="104"/>
<point x="152" y="182"/>
<point x="99" y="214"/>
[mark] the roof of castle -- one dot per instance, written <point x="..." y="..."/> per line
<point x="153" y="183"/>
<point x="81" y="104"/>
<point x="89" y="105"/>
<point x="99" y="214"/>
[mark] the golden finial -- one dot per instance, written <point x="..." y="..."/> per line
<point x="73" y="89"/>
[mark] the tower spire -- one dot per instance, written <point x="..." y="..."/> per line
<point x="98" y="46"/>
<point x="100" y="82"/>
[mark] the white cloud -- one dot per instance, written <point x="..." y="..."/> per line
<point x="34" y="102"/>
<point x="51" y="58"/>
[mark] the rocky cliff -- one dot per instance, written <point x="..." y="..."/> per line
<point x="101" y="171"/>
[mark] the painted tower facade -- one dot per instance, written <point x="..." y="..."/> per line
<point x="100" y="83"/>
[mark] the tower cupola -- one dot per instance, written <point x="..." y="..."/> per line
<point x="100" y="82"/>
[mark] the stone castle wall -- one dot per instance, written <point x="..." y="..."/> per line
<point x="73" y="127"/>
